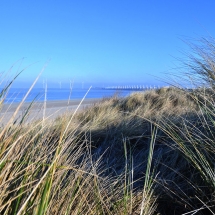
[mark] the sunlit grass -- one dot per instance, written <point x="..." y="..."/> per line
<point x="50" y="167"/>
<point x="149" y="153"/>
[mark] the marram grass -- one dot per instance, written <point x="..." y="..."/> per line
<point x="52" y="168"/>
<point x="129" y="155"/>
<point x="148" y="153"/>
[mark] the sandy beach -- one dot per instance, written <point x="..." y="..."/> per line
<point x="52" y="109"/>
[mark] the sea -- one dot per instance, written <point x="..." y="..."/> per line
<point x="53" y="94"/>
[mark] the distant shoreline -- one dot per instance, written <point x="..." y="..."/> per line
<point x="53" y="108"/>
<point x="50" y="103"/>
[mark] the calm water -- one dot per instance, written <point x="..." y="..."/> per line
<point x="16" y="95"/>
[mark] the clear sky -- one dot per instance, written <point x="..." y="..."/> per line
<point x="100" y="42"/>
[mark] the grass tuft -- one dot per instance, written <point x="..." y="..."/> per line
<point x="149" y="153"/>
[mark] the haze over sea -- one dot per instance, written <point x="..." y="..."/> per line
<point x="56" y="94"/>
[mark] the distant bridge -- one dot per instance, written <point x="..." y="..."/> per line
<point x="131" y="87"/>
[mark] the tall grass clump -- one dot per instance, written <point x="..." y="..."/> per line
<point x="194" y="136"/>
<point x="62" y="166"/>
<point x="183" y="157"/>
<point x="151" y="152"/>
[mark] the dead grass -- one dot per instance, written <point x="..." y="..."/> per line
<point x="148" y="153"/>
<point x="98" y="163"/>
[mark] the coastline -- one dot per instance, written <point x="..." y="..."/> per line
<point x="53" y="109"/>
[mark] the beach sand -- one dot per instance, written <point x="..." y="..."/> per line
<point x="52" y="109"/>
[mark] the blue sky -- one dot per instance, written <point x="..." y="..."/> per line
<point x="100" y="42"/>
